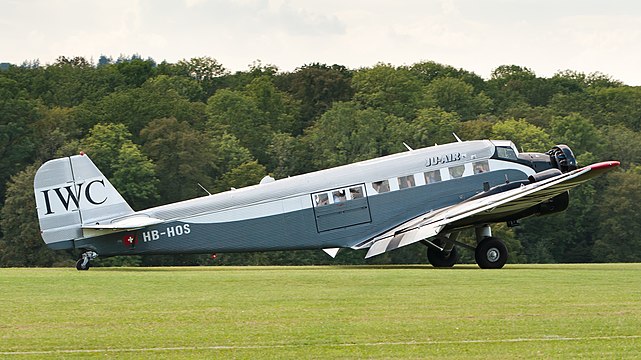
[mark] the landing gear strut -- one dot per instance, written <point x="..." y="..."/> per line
<point x="491" y="252"/>
<point x="84" y="262"/>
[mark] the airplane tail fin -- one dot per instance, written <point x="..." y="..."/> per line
<point x="71" y="192"/>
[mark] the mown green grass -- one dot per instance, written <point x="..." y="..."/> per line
<point x="559" y="311"/>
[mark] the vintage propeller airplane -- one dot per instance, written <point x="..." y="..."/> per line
<point x="425" y="195"/>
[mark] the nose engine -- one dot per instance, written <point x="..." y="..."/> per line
<point x="562" y="158"/>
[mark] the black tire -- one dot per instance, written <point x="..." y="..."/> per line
<point x="80" y="267"/>
<point x="491" y="253"/>
<point x="441" y="259"/>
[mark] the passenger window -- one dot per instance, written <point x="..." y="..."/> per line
<point x="481" y="167"/>
<point x="457" y="171"/>
<point x="432" y="176"/>
<point x="405" y="182"/>
<point x="381" y="186"/>
<point x="321" y="199"/>
<point x="356" y="192"/>
<point x="339" y="196"/>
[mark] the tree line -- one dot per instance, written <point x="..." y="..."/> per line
<point x="157" y="130"/>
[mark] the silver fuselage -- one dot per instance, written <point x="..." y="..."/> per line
<point x="341" y="207"/>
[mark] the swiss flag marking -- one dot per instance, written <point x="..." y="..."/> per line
<point x="129" y="240"/>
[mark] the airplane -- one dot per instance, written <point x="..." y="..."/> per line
<point x="426" y="195"/>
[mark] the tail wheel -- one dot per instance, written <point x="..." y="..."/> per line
<point x="83" y="264"/>
<point x="440" y="258"/>
<point x="491" y="253"/>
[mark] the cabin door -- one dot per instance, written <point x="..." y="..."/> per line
<point x="341" y="207"/>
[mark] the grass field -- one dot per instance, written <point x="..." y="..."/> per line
<point x="549" y="311"/>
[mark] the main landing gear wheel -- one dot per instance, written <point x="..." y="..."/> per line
<point x="491" y="253"/>
<point x="441" y="259"/>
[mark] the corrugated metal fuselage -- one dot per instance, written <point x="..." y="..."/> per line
<point x="286" y="214"/>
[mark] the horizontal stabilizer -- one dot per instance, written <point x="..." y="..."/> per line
<point x="129" y="223"/>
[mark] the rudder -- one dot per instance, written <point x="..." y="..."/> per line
<point x="70" y="192"/>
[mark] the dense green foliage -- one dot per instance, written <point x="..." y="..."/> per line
<point x="348" y="312"/>
<point x="159" y="130"/>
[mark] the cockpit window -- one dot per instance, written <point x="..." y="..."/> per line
<point x="506" y="153"/>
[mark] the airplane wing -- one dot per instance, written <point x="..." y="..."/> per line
<point x="510" y="201"/>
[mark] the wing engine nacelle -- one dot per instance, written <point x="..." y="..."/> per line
<point x="546" y="174"/>
<point x="554" y="205"/>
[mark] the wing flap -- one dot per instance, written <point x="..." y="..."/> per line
<point x="401" y="239"/>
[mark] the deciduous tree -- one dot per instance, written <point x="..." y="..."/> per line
<point x="346" y="134"/>
<point x="317" y="87"/>
<point x="526" y="136"/>
<point x="123" y="163"/>
<point x="17" y="117"/>
<point x="454" y="95"/>
<point x="618" y="236"/>
<point x="395" y="91"/>
<point x="21" y="244"/>
<point x="182" y="155"/>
